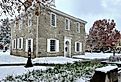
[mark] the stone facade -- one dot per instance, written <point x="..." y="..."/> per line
<point x="48" y="40"/>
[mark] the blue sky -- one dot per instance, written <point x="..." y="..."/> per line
<point x="91" y="10"/>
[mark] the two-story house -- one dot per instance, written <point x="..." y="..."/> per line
<point x="52" y="33"/>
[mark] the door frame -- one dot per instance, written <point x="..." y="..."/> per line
<point x="65" y="45"/>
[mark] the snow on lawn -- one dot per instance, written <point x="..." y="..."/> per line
<point x="55" y="60"/>
<point x="95" y="55"/>
<point x="6" y="58"/>
<point x="17" y="70"/>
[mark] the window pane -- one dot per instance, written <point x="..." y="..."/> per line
<point x="29" y="43"/>
<point x="53" y="20"/>
<point x="52" y="45"/>
<point x="19" y="43"/>
<point x="14" y="44"/>
<point x="78" y="46"/>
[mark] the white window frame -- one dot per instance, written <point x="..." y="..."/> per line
<point x="80" y="46"/>
<point x="54" y="20"/>
<point x="78" y="27"/>
<point x="56" y="45"/>
<point x="26" y="50"/>
<point x="67" y="24"/>
<point x="14" y="44"/>
<point x="18" y="43"/>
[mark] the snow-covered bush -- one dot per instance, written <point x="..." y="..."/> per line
<point x="60" y="73"/>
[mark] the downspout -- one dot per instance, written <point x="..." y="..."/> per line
<point x="37" y="36"/>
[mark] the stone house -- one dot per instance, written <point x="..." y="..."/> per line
<point x="52" y="33"/>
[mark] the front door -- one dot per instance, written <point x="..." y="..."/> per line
<point x="67" y="47"/>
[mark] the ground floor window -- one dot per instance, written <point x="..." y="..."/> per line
<point x="29" y="44"/>
<point x="14" y="44"/>
<point x="20" y="43"/>
<point x="52" y="45"/>
<point x="78" y="46"/>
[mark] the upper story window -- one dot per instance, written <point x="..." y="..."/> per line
<point x="20" y="24"/>
<point x="67" y="24"/>
<point x="78" y="27"/>
<point x="53" y="19"/>
<point x="30" y="20"/>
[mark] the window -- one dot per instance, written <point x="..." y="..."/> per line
<point x="67" y="24"/>
<point x="20" y="43"/>
<point x="29" y="43"/>
<point x="78" y="46"/>
<point x="30" y="20"/>
<point x="52" y="45"/>
<point x="14" y="44"/>
<point x="78" y="27"/>
<point x="20" y="24"/>
<point x="53" y="19"/>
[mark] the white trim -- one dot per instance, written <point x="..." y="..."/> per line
<point x="14" y="44"/>
<point x="56" y="45"/>
<point x="67" y="39"/>
<point x="67" y="24"/>
<point x="18" y="43"/>
<point x="37" y="35"/>
<point x="51" y="19"/>
<point x="22" y="42"/>
<point x="48" y="45"/>
<point x="27" y="44"/>
<point x="80" y="46"/>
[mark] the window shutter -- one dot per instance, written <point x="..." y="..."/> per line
<point x="21" y="43"/>
<point x="26" y="45"/>
<point x="48" y="45"/>
<point x="57" y="45"/>
<point x="80" y="47"/>
<point x="18" y="43"/>
<point x="75" y="46"/>
<point x="31" y="45"/>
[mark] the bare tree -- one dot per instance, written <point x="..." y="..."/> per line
<point x="11" y="6"/>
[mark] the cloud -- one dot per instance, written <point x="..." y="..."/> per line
<point x="91" y="10"/>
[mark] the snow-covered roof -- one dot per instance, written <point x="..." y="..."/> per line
<point x="106" y="69"/>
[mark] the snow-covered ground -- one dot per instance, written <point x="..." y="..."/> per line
<point x="95" y="55"/>
<point x="6" y="58"/>
<point x="17" y="70"/>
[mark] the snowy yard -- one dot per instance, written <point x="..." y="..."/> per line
<point x="95" y="55"/>
<point x="6" y="58"/>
